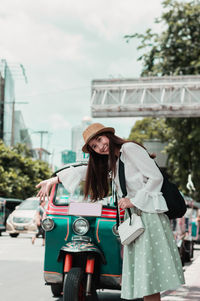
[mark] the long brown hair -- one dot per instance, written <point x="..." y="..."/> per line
<point x="99" y="167"/>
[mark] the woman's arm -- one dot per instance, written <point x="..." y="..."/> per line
<point x="45" y="187"/>
<point x="69" y="177"/>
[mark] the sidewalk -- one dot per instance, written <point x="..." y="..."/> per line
<point x="191" y="290"/>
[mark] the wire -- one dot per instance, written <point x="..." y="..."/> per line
<point x="55" y="92"/>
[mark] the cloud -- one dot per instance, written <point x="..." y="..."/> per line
<point x="65" y="44"/>
<point x="40" y="31"/>
<point x="57" y="121"/>
<point x="37" y="42"/>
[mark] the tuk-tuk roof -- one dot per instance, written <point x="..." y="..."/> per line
<point x="75" y="164"/>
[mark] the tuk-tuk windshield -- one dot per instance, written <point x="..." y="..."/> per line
<point x="63" y="197"/>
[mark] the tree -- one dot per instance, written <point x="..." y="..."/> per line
<point x="150" y="128"/>
<point x="183" y="151"/>
<point x="19" y="173"/>
<point x="175" y="51"/>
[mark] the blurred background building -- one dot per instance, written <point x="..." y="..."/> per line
<point x="76" y="154"/>
<point x="21" y="134"/>
<point x="68" y="156"/>
<point x="77" y="139"/>
<point x="7" y="99"/>
<point x="157" y="147"/>
<point x="12" y="126"/>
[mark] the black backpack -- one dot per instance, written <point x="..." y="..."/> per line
<point x="174" y="199"/>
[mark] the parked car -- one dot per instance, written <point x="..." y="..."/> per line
<point x="23" y="218"/>
<point x="7" y="205"/>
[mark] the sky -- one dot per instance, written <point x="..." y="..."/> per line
<point x="63" y="46"/>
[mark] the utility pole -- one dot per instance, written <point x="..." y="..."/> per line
<point x="41" y="141"/>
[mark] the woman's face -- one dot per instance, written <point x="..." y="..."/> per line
<point x="100" y="145"/>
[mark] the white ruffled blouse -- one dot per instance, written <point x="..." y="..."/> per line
<point x="143" y="179"/>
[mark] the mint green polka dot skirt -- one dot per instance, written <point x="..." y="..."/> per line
<point x="152" y="263"/>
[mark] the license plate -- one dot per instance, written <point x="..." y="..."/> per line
<point x="19" y="228"/>
<point x="85" y="209"/>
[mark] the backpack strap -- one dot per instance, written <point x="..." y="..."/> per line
<point x="122" y="182"/>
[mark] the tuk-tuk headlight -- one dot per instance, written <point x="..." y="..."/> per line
<point x="80" y="226"/>
<point x="114" y="230"/>
<point x="48" y="224"/>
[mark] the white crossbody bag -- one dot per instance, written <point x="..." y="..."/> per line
<point x="129" y="230"/>
<point x="133" y="226"/>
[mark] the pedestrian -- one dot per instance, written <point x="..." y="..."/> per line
<point x="39" y="217"/>
<point x="152" y="263"/>
<point x="198" y="227"/>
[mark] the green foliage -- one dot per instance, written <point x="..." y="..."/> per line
<point x="19" y="173"/>
<point x="150" y="128"/>
<point x="184" y="152"/>
<point x="175" y="51"/>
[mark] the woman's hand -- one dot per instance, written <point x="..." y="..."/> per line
<point x="45" y="187"/>
<point x="124" y="203"/>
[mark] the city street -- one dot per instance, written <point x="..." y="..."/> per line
<point x="21" y="273"/>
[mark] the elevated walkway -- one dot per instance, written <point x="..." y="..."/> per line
<point x="169" y="96"/>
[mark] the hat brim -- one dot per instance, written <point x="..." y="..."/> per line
<point x="104" y="130"/>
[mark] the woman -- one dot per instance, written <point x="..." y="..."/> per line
<point x="151" y="264"/>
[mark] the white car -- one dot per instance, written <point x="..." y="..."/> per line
<point x="23" y="218"/>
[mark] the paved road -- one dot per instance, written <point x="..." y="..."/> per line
<point x="21" y="272"/>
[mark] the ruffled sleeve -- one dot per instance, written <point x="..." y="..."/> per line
<point x="148" y="197"/>
<point x="72" y="176"/>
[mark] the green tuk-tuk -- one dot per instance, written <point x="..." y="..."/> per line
<point x="82" y="250"/>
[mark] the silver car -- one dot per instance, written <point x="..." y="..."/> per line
<point x="23" y="218"/>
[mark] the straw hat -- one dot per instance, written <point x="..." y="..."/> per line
<point x="93" y="130"/>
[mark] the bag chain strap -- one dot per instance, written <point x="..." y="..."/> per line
<point x="123" y="188"/>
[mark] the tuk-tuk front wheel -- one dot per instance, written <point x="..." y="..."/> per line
<point x="56" y="289"/>
<point x="74" y="287"/>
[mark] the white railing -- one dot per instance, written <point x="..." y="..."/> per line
<point x="169" y="96"/>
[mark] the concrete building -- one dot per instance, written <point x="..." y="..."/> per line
<point x="12" y="126"/>
<point x="41" y="154"/>
<point x="77" y="139"/>
<point x="21" y="134"/>
<point x="7" y="99"/>
<point x="157" y="147"/>
<point x="68" y="156"/>
<point x="2" y="84"/>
